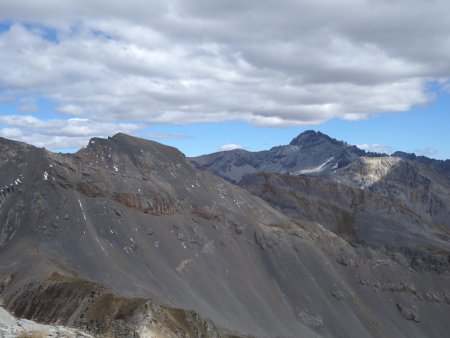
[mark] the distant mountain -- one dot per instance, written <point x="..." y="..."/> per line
<point x="311" y="153"/>
<point x="126" y="238"/>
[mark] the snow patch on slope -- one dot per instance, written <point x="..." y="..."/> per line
<point x="315" y="169"/>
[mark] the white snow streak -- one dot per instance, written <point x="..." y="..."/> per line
<point x="82" y="210"/>
<point x="100" y="244"/>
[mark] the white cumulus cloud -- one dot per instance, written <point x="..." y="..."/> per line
<point x="376" y="148"/>
<point x="230" y="146"/>
<point x="59" y="133"/>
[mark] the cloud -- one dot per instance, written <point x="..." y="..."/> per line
<point x="59" y="133"/>
<point x="429" y="152"/>
<point x="11" y="133"/>
<point x="266" y="62"/>
<point x="231" y="146"/>
<point x="376" y="148"/>
<point x="156" y="136"/>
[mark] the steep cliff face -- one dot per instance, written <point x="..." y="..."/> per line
<point x="310" y="153"/>
<point x="126" y="237"/>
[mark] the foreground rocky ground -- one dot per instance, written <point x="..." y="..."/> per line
<point x="11" y="327"/>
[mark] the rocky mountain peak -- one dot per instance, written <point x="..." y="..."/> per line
<point x="311" y="138"/>
<point x="123" y="147"/>
<point x="128" y="139"/>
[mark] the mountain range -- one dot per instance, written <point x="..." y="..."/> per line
<point x="128" y="237"/>
<point x="310" y="153"/>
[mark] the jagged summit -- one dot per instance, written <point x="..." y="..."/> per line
<point x="311" y="138"/>
<point x="123" y="136"/>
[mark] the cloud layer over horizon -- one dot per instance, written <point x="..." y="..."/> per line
<point x="119" y="66"/>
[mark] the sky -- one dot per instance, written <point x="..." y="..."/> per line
<point x="205" y="75"/>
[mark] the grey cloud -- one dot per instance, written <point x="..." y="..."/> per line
<point x="272" y="63"/>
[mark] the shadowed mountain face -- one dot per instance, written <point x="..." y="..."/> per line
<point x="126" y="237"/>
<point x="310" y="153"/>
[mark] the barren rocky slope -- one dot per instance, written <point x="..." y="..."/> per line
<point x="127" y="238"/>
